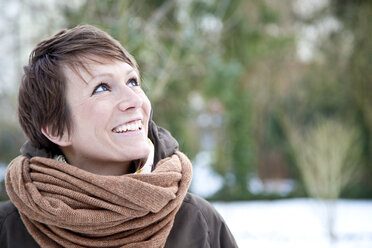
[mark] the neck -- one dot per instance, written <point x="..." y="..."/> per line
<point x="105" y="169"/>
<point x="100" y="167"/>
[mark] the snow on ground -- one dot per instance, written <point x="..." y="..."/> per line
<point x="298" y="223"/>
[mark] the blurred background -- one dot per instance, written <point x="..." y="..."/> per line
<point x="270" y="99"/>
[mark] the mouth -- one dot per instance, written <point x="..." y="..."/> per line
<point x="129" y="127"/>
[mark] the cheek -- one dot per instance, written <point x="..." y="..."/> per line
<point x="146" y="103"/>
<point x="92" y="114"/>
<point x="146" y="107"/>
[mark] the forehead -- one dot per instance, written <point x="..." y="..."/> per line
<point x="86" y="69"/>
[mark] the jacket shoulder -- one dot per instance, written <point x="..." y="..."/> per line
<point x="6" y="209"/>
<point x="198" y="224"/>
<point x="13" y="232"/>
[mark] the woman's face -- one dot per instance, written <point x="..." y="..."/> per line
<point x="110" y="116"/>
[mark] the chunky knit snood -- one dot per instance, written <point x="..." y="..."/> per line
<point x="64" y="206"/>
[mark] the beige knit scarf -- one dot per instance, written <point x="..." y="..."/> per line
<point x="64" y="206"/>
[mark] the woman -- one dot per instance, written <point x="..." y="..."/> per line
<point x="96" y="170"/>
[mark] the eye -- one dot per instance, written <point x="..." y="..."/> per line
<point x="133" y="82"/>
<point x="101" y="88"/>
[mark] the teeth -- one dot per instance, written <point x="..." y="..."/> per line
<point x="136" y="125"/>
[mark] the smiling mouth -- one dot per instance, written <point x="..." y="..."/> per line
<point x="129" y="127"/>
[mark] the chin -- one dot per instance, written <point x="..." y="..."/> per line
<point x="140" y="153"/>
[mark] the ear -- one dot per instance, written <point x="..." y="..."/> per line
<point x="62" y="141"/>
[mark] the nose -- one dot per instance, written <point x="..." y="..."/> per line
<point x="129" y="99"/>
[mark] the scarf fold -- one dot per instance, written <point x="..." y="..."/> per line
<point x="64" y="206"/>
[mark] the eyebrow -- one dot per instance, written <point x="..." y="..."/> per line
<point x="105" y="74"/>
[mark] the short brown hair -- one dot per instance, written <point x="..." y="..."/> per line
<point x="41" y="97"/>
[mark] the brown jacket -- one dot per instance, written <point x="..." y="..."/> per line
<point x="197" y="224"/>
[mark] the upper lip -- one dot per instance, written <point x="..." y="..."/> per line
<point x="126" y="122"/>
